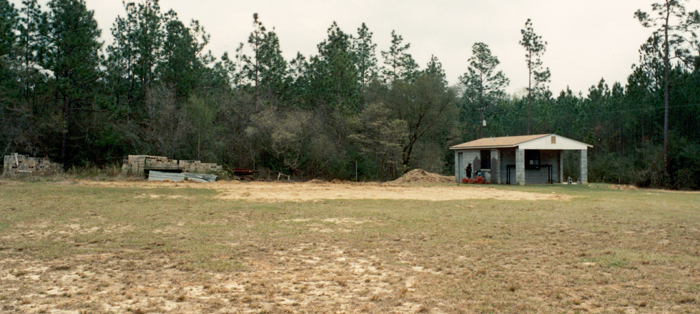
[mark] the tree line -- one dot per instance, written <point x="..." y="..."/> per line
<point x="340" y="113"/>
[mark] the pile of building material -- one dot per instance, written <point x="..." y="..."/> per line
<point x="20" y="165"/>
<point x="181" y="176"/>
<point x="139" y="164"/>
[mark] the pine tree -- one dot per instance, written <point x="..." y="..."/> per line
<point x="8" y="70"/>
<point x="71" y="54"/>
<point x="366" y="56"/>
<point x="399" y="64"/>
<point x="273" y="69"/>
<point x="535" y="48"/>
<point x="434" y="68"/>
<point x="8" y="43"/>
<point x="134" y="54"/>
<point x="676" y="29"/>
<point x="483" y="84"/>
<point x="334" y="72"/>
<point x="266" y="69"/>
<point x="8" y="24"/>
<point x="182" y="64"/>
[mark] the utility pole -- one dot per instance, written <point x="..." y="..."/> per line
<point x="481" y="122"/>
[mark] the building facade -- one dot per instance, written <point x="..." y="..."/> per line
<point x="528" y="159"/>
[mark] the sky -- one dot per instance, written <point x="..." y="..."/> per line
<point x="586" y="40"/>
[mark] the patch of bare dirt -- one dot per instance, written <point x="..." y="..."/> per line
<point x="623" y="187"/>
<point x="302" y="192"/>
<point x="315" y="191"/>
<point x="300" y="278"/>
<point x="422" y="176"/>
<point x="157" y="196"/>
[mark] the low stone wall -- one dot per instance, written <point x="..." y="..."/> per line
<point x="16" y="165"/>
<point x="138" y="164"/>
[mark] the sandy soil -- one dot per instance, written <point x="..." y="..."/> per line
<point x="306" y="278"/>
<point x="318" y="190"/>
<point x="553" y="260"/>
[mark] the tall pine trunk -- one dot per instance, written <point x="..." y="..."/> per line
<point x="666" y="91"/>
<point x="64" y="130"/>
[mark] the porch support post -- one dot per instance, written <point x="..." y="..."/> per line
<point x="584" y="166"/>
<point x="561" y="166"/>
<point x="458" y="165"/>
<point x="495" y="166"/>
<point x="520" y="166"/>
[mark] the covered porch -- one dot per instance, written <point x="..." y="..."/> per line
<point x="531" y="159"/>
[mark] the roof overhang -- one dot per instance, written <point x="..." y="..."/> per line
<point x="533" y="142"/>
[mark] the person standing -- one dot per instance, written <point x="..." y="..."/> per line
<point x="469" y="171"/>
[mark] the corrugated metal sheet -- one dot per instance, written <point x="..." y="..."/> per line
<point x="182" y="176"/>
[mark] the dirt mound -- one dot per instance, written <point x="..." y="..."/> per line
<point x="316" y="181"/>
<point x="422" y="176"/>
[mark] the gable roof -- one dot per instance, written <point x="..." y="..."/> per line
<point x="498" y="142"/>
<point x="516" y="141"/>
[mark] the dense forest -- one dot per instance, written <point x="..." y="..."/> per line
<point x="340" y="113"/>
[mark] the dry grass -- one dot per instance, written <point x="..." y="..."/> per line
<point x="80" y="248"/>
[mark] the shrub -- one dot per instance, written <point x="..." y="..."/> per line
<point x="477" y="180"/>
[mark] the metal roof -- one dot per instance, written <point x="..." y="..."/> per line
<point x="499" y="142"/>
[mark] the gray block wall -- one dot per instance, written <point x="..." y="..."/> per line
<point x="502" y="158"/>
<point x="547" y="157"/>
<point x="520" y="166"/>
<point x="561" y="167"/>
<point x="468" y="157"/>
<point x="507" y="159"/>
<point x="495" y="175"/>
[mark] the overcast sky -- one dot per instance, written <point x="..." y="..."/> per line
<point x="587" y="39"/>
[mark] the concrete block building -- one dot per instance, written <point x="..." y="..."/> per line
<point x="527" y="159"/>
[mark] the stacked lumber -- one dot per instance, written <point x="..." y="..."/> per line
<point x="15" y="165"/>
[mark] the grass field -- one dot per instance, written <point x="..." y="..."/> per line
<point x="78" y="247"/>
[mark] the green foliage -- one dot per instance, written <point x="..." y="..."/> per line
<point x="134" y="55"/>
<point x="427" y="106"/>
<point x="535" y="47"/>
<point x="335" y="75"/>
<point x="675" y="34"/>
<point x="332" y="114"/>
<point x="8" y="22"/>
<point x="434" y="68"/>
<point x="484" y="85"/>
<point x="265" y="72"/>
<point x="398" y="63"/>
<point x="366" y="58"/>
<point x="70" y="52"/>
<point x="380" y="135"/>
<point x="182" y="63"/>
<point x="8" y="47"/>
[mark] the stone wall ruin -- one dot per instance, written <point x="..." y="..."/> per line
<point x="16" y="165"/>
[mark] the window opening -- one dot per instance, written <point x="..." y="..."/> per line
<point x="486" y="159"/>
<point x="532" y="159"/>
